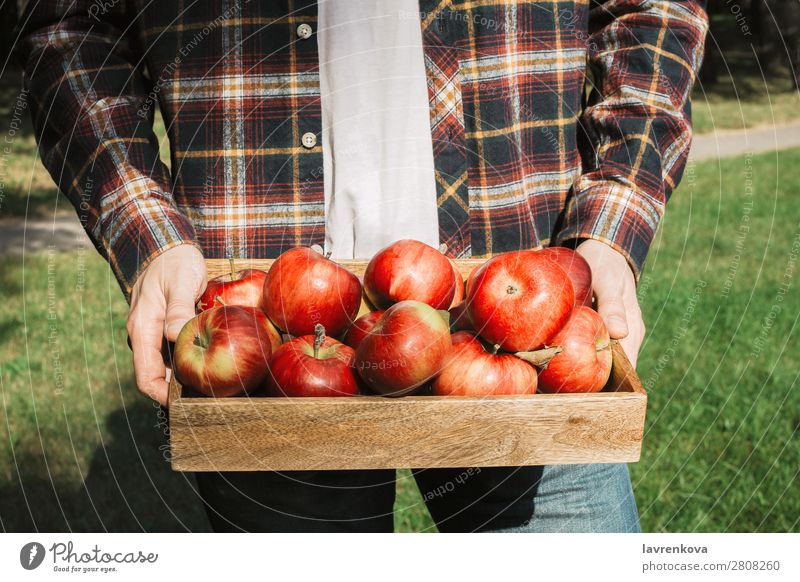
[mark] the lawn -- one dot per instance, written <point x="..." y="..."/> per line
<point x="82" y="451"/>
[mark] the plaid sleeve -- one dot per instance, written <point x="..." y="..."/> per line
<point x="95" y="137"/>
<point x="643" y="55"/>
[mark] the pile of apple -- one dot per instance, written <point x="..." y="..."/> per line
<point x="522" y="323"/>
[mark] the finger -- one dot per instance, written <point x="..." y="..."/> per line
<point x="632" y="343"/>
<point x="630" y="346"/>
<point x="611" y="308"/>
<point x="148" y="362"/>
<point x="180" y="309"/>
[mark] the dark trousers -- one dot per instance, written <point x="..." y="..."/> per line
<point x="459" y="500"/>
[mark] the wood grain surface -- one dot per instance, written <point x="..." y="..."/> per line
<point x="373" y="432"/>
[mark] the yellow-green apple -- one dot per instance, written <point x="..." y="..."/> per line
<point x="313" y="365"/>
<point x="303" y="289"/>
<point x="410" y="270"/>
<point x="584" y="363"/>
<point x="471" y="370"/>
<point x="519" y="300"/>
<point x="223" y="351"/>
<point x="405" y="349"/>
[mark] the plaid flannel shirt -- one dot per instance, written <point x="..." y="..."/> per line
<point x="524" y="156"/>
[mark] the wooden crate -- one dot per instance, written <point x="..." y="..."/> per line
<point x="374" y="432"/>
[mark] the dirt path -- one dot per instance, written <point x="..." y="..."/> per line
<point x="724" y="144"/>
<point x="62" y="233"/>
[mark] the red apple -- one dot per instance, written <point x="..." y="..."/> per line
<point x="242" y="288"/>
<point x="470" y="370"/>
<point x="313" y="365"/>
<point x="459" y="318"/>
<point x="458" y="296"/>
<point x="361" y="327"/>
<point x="223" y="351"/>
<point x="519" y="300"/>
<point x="577" y="269"/>
<point x="471" y="279"/>
<point x="404" y="350"/>
<point x="303" y="288"/>
<point x="584" y="363"/>
<point x="267" y="327"/>
<point x="409" y="269"/>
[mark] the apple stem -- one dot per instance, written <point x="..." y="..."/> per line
<point x="233" y="267"/>
<point x="540" y="358"/>
<point x="219" y="300"/>
<point x="495" y="349"/>
<point x="319" y="338"/>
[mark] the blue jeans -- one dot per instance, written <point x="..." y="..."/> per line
<point x="556" y="498"/>
<point x="583" y="498"/>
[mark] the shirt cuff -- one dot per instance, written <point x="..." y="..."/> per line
<point x="617" y="214"/>
<point x="139" y="232"/>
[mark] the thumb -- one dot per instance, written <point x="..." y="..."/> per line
<point x="180" y="309"/>
<point x="612" y="310"/>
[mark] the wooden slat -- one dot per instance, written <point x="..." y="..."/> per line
<point x="372" y="432"/>
<point x="241" y="434"/>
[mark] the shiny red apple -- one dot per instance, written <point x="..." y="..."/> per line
<point x="223" y="351"/>
<point x="242" y="288"/>
<point x="404" y="350"/>
<point x="470" y="370"/>
<point x="577" y="269"/>
<point x="519" y="300"/>
<point x="459" y="318"/>
<point x="360" y="328"/>
<point x="584" y="363"/>
<point x="458" y="296"/>
<point x="410" y="270"/>
<point x="272" y="333"/>
<point x="303" y="288"/>
<point x="313" y="365"/>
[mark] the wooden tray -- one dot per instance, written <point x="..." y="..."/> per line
<point x="374" y="432"/>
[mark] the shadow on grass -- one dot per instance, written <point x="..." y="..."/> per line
<point x="128" y="487"/>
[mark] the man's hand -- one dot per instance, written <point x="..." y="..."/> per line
<point x="162" y="301"/>
<point x="615" y="292"/>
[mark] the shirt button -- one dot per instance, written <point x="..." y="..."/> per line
<point x="304" y="31"/>
<point x="309" y="140"/>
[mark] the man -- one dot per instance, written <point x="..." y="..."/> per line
<point x="350" y="124"/>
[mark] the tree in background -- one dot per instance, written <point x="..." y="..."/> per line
<point x="8" y="20"/>
<point x="779" y="42"/>
<point x="771" y="27"/>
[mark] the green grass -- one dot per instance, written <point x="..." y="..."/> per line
<point x="81" y="450"/>
<point x="720" y="451"/>
<point x="744" y="97"/>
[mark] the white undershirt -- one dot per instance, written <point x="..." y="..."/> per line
<point x="376" y="136"/>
